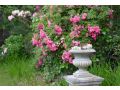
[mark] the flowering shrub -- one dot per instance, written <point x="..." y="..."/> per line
<point x="67" y="26"/>
<point x="18" y="13"/>
<point x="13" y="45"/>
<point x="16" y="20"/>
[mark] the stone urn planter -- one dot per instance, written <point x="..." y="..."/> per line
<point x="82" y="77"/>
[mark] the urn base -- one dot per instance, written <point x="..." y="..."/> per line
<point x="92" y="80"/>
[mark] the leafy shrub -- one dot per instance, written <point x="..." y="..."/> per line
<point x="57" y="29"/>
<point x="17" y="26"/>
<point x="14" y="44"/>
<point x="19" y="45"/>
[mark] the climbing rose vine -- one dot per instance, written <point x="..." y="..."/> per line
<point x="54" y="34"/>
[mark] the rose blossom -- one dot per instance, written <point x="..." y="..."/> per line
<point x="49" y="23"/>
<point x="58" y="30"/>
<point x="66" y="56"/>
<point x="42" y="34"/>
<point x="94" y="31"/>
<point x="37" y="7"/>
<point x="34" y="42"/>
<point x="84" y="16"/>
<point x="110" y="13"/>
<point x="40" y="26"/>
<point x="75" y="43"/>
<point x="75" y="19"/>
<point x="39" y="63"/>
<point x="51" y="45"/>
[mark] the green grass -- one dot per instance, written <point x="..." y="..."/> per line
<point x="19" y="71"/>
<point x="111" y="78"/>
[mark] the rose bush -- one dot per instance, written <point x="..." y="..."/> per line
<point x="59" y="28"/>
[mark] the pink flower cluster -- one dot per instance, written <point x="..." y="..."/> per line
<point x="75" y="43"/>
<point x="66" y="56"/>
<point x="75" y="19"/>
<point x="51" y="45"/>
<point x="84" y="16"/>
<point x="37" y="7"/>
<point x="110" y="13"/>
<point x="94" y="31"/>
<point x="36" y="42"/>
<point x="58" y="30"/>
<point x="49" y="23"/>
<point x="39" y="63"/>
<point x="40" y="26"/>
<point x="42" y="34"/>
<point x="76" y="32"/>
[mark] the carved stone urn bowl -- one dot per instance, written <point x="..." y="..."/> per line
<point x="82" y="77"/>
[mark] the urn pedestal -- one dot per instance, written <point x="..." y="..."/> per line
<point x="82" y="77"/>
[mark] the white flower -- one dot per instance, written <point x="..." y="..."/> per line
<point x="4" y="51"/>
<point x="89" y="46"/>
<point x="15" y="12"/>
<point x="27" y="13"/>
<point x="10" y="17"/>
<point x="34" y="14"/>
<point x="21" y="13"/>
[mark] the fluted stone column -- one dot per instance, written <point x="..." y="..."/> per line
<point x="82" y="77"/>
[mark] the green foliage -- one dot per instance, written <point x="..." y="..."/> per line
<point x="111" y="78"/>
<point x="20" y="40"/>
<point x="19" y="71"/>
<point x="54" y="67"/>
<point x="19" y="45"/>
<point x="96" y="16"/>
<point x="14" y="44"/>
<point x="14" y="27"/>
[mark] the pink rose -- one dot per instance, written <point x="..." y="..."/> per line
<point x="42" y="34"/>
<point x="49" y="23"/>
<point x="75" y="43"/>
<point x="39" y="63"/>
<point x="58" y="30"/>
<point x="84" y="16"/>
<point x="66" y="56"/>
<point x="51" y="45"/>
<point x="110" y="13"/>
<point x="75" y="19"/>
<point x="34" y="42"/>
<point x="94" y="31"/>
<point x="97" y="29"/>
<point x="40" y="26"/>
<point x="37" y="7"/>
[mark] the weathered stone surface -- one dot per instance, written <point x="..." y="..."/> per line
<point x="82" y="77"/>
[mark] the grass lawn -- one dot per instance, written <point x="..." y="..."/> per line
<point x="19" y="72"/>
<point x="16" y="71"/>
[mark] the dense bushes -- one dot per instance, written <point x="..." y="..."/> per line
<point x="57" y="29"/>
<point x="14" y="45"/>
<point x="18" y="28"/>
